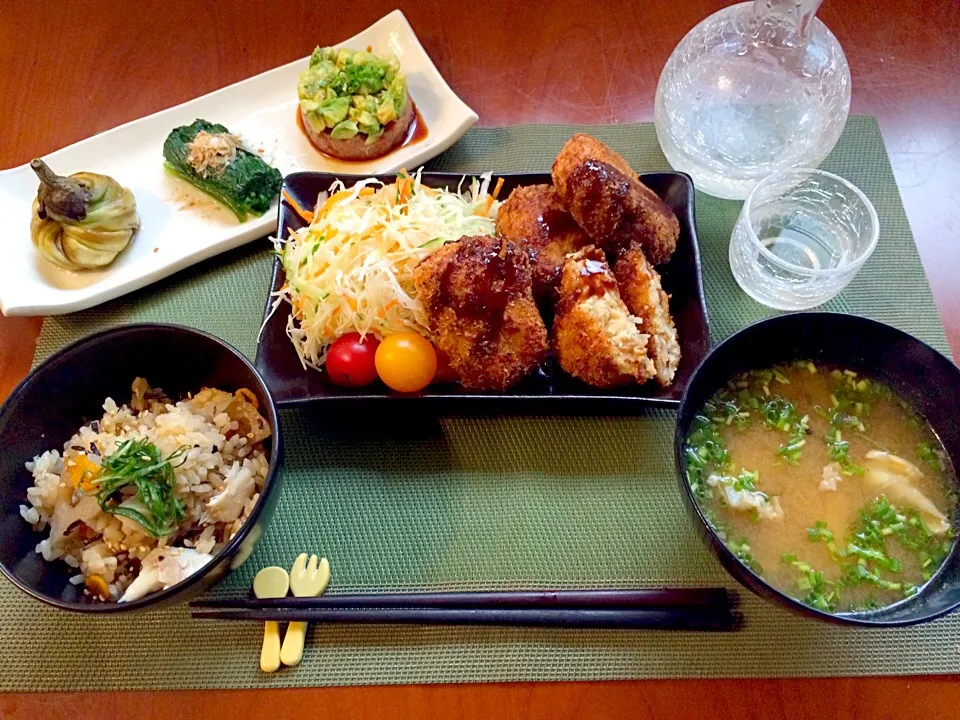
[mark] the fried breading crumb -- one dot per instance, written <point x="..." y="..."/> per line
<point x="534" y="217"/>
<point x="594" y="336"/>
<point x="606" y="197"/>
<point x="642" y="293"/>
<point x="477" y="295"/>
<point x="645" y="298"/>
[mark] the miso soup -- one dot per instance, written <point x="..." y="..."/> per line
<point x="825" y="483"/>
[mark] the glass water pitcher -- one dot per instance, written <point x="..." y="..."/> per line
<point x="755" y="88"/>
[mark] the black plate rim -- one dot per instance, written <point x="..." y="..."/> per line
<point x="230" y="549"/>
<point x="744" y="574"/>
<point x="481" y="401"/>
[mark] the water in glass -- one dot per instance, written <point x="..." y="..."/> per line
<point x="800" y="238"/>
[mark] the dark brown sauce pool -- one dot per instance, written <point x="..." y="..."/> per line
<point x="417" y="132"/>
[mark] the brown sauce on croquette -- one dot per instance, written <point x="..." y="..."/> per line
<point x="490" y="290"/>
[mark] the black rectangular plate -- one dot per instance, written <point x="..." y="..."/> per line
<point x="548" y="390"/>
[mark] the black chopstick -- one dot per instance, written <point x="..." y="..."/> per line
<point x="661" y="608"/>
<point x="687" y="618"/>
<point x="573" y="599"/>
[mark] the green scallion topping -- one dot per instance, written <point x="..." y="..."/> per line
<point x="932" y="455"/>
<point x="138" y="463"/>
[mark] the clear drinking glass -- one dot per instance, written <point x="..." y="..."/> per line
<point x="755" y="88"/>
<point x="801" y="237"/>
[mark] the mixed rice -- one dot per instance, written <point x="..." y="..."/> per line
<point x="149" y="493"/>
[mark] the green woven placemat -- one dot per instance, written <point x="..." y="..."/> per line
<point x="487" y="503"/>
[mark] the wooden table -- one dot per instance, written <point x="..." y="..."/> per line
<point x="69" y="70"/>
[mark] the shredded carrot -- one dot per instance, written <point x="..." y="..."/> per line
<point x="333" y="200"/>
<point x="247" y="394"/>
<point x="404" y="188"/>
<point x="340" y="195"/>
<point x="98" y="586"/>
<point x="386" y="308"/>
<point x="307" y="215"/>
<point x="490" y="199"/>
<point x="327" y="329"/>
<point x="349" y="262"/>
<point x="82" y="473"/>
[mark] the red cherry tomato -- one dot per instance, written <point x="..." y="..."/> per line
<point x="406" y="362"/>
<point x="351" y="361"/>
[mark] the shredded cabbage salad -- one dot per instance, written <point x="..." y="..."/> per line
<point x="351" y="269"/>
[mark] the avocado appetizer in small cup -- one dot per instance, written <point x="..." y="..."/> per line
<point x="354" y="104"/>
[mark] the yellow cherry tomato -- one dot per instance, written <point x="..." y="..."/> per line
<point x="406" y="361"/>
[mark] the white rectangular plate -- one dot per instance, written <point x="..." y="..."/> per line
<point x="181" y="226"/>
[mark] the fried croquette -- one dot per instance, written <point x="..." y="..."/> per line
<point x="640" y="289"/>
<point x="607" y="199"/>
<point x="594" y="337"/>
<point x="534" y="217"/>
<point x="478" y="299"/>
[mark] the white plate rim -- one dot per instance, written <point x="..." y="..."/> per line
<point x="12" y="300"/>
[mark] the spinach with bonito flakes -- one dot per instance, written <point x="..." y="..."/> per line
<point x="824" y="482"/>
<point x="212" y="159"/>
